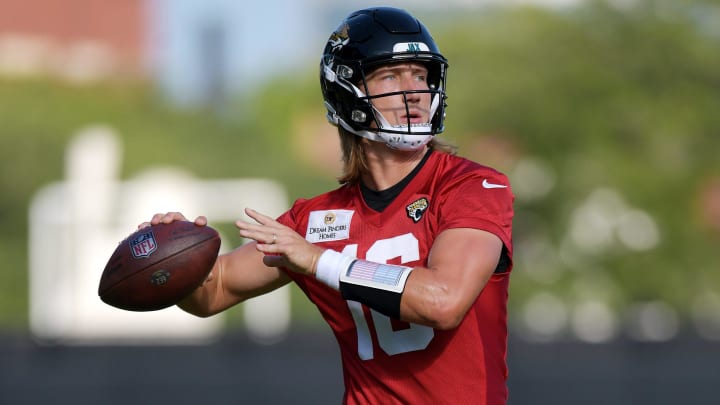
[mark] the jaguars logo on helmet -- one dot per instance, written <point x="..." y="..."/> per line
<point x="339" y="38"/>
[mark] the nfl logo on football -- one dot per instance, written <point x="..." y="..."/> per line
<point x="143" y="245"/>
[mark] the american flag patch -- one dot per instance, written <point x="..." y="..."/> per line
<point x="376" y="272"/>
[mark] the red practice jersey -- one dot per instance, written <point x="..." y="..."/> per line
<point x="387" y="361"/>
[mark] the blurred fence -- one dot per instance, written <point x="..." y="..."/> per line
<point x="305" y="368"/>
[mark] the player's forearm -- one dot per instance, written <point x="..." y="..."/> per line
<point x="416" y="295"/>
<point x="204" y="301"/>
<point x="198" y="303"/>
<point x="431" y="302"/>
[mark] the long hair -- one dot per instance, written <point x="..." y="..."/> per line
<point x="355" y="161"/>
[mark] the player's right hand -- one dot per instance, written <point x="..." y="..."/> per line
<point x="169" y="217"/>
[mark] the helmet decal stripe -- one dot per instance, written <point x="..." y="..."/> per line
<point x="410" y="47"/>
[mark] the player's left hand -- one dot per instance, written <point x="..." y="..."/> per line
<point x="283" y="247"/>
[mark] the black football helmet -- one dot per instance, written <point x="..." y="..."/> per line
<point x="365" y="40"/>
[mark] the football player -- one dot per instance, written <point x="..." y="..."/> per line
<point x="408" y="260"/>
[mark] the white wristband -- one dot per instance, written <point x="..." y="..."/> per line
<point x="330" y="265"/>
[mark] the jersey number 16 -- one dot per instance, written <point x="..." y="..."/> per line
<point x="416" y="337"/>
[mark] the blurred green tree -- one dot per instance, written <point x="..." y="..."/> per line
<point x="603" y="116"/>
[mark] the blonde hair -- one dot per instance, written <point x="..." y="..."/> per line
<point x="355" y="162"/>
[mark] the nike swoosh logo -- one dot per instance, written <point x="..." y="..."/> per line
<point x="487" y="184"/>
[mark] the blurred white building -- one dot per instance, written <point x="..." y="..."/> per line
<point x="75" y="225"/>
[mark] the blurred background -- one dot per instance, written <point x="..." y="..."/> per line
<point x="602" y="113"/>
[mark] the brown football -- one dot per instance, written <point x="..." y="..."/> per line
<point x="158" y="266"/>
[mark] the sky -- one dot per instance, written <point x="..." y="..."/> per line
<point x="207" y="50"/>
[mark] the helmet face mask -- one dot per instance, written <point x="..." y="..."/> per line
<point x="369" y="39"/>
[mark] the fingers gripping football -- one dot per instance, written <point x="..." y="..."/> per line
<point x="169" y="217"/>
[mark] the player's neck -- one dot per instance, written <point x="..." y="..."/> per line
<point x="388" y="166"/>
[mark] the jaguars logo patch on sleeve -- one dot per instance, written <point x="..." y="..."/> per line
<point x="416" y="209"/>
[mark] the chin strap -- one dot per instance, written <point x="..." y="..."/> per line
<point x="401" y="137"/>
